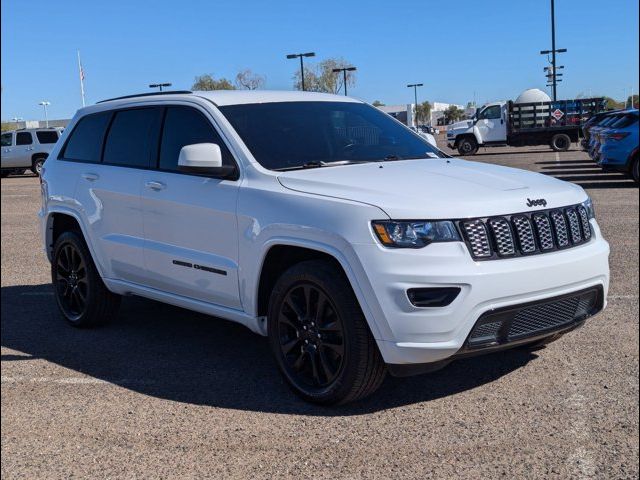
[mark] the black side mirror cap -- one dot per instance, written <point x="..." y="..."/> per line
<point x="225" y="172"/>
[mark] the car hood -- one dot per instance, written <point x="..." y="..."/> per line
<point x="436" y="188"/>
<point x="463" y="125"/>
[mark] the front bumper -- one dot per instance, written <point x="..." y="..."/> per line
<point x="413" y="335"/>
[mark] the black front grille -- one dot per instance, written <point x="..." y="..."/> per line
<point x="526" y="233"/>
<point x="519" y="322"/>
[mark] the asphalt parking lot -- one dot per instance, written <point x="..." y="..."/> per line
<point x="165" y="393"/>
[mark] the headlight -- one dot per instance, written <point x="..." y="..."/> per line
<point x="588" y="205"/>
<point x="415" y="234"/>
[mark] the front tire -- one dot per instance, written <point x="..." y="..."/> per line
<point x="320" y="338"/>
<point x="467" y="146"/>
<point x="634" y="170"/>
<point x="81" y="295"/>
<point x="560" y="142"/>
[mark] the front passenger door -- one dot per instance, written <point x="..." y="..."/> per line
<point x="191" y="237"/>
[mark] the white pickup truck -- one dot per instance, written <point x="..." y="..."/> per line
<point x="497" y="124"/>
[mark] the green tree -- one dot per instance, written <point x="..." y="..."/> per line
<point x="9" y="126"/>
<point x="613" y="104"/>
<point x="321" y="78"/>
<point x="377" y="103"/>
<point x="423" y="112"/>
<point x="209" y="82"/>
<point x="632" y="101"/>
<point x="453" y="114"/>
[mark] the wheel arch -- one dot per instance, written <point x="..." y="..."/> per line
<point x="62" y="220"/>
<point x="280" y="254"/>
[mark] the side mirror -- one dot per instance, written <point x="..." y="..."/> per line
<point x="205" y="159"/>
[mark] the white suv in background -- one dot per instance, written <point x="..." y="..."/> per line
<point x="320" y="222"/>
<point x="27" y="149"/>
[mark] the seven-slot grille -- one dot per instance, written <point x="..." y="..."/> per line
<point x="526" y="233"/>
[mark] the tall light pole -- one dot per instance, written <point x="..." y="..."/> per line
<point x="415" y="97"/>
<point x="301" y="56"/>
<point x="344" y="73"/>
<point x="553" y="51"/>
<point x="159" y="85"/>
<point x="45" y="104"/>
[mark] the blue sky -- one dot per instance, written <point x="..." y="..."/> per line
<point x="455" y="48"/>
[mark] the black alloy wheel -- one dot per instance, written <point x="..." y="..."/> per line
<point x="81" y="295"/>
<point x="319" y="336"/>
<point x="71" y="283"/>
<point x="311" y="336"/>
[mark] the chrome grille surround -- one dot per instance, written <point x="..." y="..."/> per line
<point x="584" y="220"/>
<point x="524" y="233"/>
<point x="478" y="237"/>
<point x="560" y="228"/>
<point x="502" y="236"/>
<point x="528" y="233"/>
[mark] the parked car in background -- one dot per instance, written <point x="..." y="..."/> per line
<point x="606" y="122"/>
<point x="27" y="149"/>
<point x="426" y="133"/>
<point x="592" y="122"/>
<point x="618" y="148"/>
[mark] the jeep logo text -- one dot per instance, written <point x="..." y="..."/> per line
<point x="537" y="202"/>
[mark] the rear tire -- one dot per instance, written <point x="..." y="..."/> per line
<point x="37" y="164"/>
<point x="560" y="142"/>
<point x="467" y="146"/>
<point x="81" y="295"/>
<point x="320" y="338"/>
<point x="634" y="170"/>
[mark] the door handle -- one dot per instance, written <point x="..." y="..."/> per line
<point x="92" y="177"/>
<point x="155" y="185"/>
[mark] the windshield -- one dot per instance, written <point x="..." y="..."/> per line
<point x="289" y="135"/>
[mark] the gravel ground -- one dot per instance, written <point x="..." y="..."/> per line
<point x="166" y="393"/>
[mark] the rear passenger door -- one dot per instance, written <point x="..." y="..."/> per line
<point x="23" y="149"/>
<point x="115" y="149"/>
<point x="190" y="223"/>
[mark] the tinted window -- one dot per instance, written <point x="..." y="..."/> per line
<point x="624" y="121"/>
<point x="133" y="137"/>
<point x="186" y="126"/>
<point x="6" y="139"/>
<point x="291" y="134"/>
<point x="47" y="136"/>
<point x="86" y="139"/>
<point x="24" y="138"/>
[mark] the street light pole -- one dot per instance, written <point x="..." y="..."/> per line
<point x="415" y="97"/>
<point x="553" y="51"/>
<point x="44" y="103"/>
<point x="159" y="85"/>
<point x="344" y="73"/>
<point x="301" y="55"/>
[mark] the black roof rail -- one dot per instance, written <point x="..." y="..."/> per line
<point x="167" y="92"/>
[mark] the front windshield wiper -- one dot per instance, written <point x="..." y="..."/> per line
<point x="318" y="164"/>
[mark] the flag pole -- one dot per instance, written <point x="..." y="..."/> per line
<point x="81" y="73"/>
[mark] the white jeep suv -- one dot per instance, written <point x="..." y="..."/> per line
<point x="320" y="222"/>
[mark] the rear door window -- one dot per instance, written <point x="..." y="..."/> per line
<point x="24" y="138"/>
<point x="132" y="140"/>
<point x="47" y="136"/>
<point x="85" y="142"/>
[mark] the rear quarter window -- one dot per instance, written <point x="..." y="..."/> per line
<point x="47" y="136"/>
<point x="6" y="139"/>
<point x="85" y="141"/>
